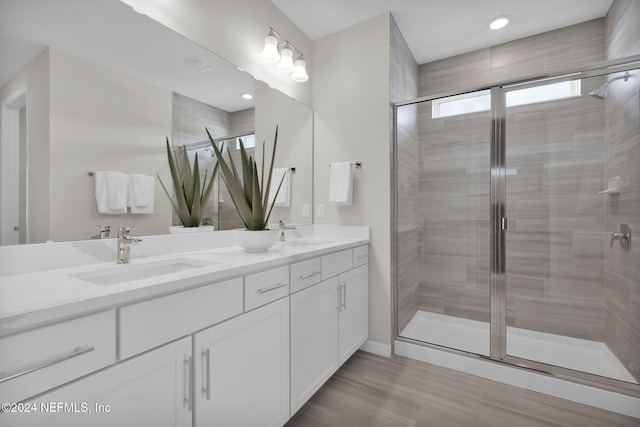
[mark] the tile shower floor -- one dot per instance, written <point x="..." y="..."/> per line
<point x="473" y="336"/>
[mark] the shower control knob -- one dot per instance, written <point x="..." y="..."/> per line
<point x="624" y="235"/>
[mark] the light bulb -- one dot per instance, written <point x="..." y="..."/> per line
<point x="270" y="51"/>
<point x="286" y="60"/>
<point x="300" y="72"/>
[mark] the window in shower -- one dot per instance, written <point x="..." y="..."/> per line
<point x="481" y="101"/>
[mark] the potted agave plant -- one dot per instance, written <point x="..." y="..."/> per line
<point x="190" y="196"/>
<point x="250" y="194"/>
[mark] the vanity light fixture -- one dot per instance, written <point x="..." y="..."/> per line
<point x="499" y="22"/>
<point x="277" y="49"/>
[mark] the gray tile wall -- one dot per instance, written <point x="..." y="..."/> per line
<point x="559" y="157"/>
<point x="622" y="276"/>
<point x="555" y="261"/>
<point x="404" y="85"/>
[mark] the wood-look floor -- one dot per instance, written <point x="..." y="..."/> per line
<point x="371" y="390"/>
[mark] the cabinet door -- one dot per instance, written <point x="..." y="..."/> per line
<point x="314" y="339"/>
<point x="354" y="313"/>
<point x="242" y="370"/>
<point x="149" y="390"/>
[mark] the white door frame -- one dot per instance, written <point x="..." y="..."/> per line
<point x="10" y="167"/>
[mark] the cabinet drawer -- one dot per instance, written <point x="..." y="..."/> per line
<point x="305" y="274"/>
<point x="38" y="360"/>
<point x="262" y="288"/>
<point x="360" y="255"/>
<point x="336" y="263"/>
<point x="151" y="323"/>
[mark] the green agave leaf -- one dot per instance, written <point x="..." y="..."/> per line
<point x="266" y="219"/>
<point x="206" y="188"/>
<point x="187" y="178"/>
<point x="265" y="196"/>
<point x="247" y="172"/>
<point x="235" y="189"/>
<point x="181" y="207"/>
<point x="258" y="213"/>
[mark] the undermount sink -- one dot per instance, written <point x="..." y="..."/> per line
<point x="123" y="273"/>
<point x="310" y="242"/>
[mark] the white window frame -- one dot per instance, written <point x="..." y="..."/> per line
<point x="575" y="90"/>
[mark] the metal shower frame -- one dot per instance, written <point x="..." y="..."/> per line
<point x="498" y="353"/>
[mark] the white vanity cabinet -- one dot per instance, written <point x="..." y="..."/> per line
<point x="354" y="311"/>
<point x="152" y="389"/>
<point x="329" y="322"/>
<point x="242" y="369"/>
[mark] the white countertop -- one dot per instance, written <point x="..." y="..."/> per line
<point x="30" y="299"/>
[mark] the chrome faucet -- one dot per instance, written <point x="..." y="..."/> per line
<point x="124" y="244"/>
<point x="284" y="227"/>
<point x="104" y="233"/>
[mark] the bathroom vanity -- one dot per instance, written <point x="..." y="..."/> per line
<point x="215" y="336"/>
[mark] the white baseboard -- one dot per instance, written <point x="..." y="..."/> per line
<point x="376" y="348"/>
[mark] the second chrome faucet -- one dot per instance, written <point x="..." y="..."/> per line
<point x="124" y="244"/>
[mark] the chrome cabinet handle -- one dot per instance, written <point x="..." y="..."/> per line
<point x="272" y="287"/>
<point x="314" y="273"/>
<point x="188" y="398"/>
<point x="36" y="366"/>
<point x="344" y="298"/>
<point x="206" y="388"/>
<point x="362" y="256"/>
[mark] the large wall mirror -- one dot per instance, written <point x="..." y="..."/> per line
<point x="91" y="85"/>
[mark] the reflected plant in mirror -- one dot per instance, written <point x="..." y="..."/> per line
<point x="189" y="197"/>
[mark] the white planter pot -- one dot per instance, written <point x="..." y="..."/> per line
<point x="256" y="241"/>
<point x="178" y="229"/>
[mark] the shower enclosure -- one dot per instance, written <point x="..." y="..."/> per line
<point x="514" y="218"/>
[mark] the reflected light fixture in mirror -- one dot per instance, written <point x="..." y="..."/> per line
<point x="284" y="56"/>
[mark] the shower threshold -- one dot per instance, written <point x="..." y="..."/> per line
<point x="473" y="336"/>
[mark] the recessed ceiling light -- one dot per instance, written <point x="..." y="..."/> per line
<point x="247" y="96"/>
<point x="499" y="22"/>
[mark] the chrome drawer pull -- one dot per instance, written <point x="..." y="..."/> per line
<point x="314" y="273"/>
<point x="361" y="256"/>
<point x="206" y="387"/>
<point x="187" y="401"/>
<point x="271" y="288"/>
<point x="36" y="366"/>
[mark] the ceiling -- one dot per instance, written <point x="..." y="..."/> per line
<point x="112" y="34"/>
<point x="436" y="29"/>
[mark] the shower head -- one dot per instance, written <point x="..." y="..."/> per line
<point x="601" y="92"/>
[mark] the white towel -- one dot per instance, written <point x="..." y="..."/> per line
<point x="283" y="199"/>
<point x="341" y="183"/>
<point x="142" y="191"/>
<point x="112" y="190"/>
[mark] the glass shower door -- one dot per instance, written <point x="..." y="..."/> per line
<point x="565" y="284"/>
<point x="443" y="258"/>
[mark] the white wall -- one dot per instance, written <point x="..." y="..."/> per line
<point x="295" y="147"/>
<point x="103" y="120"/>
<point x="351" y="106"/>
<point x="235" y="30"/>
<point x="36" y="77"/>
